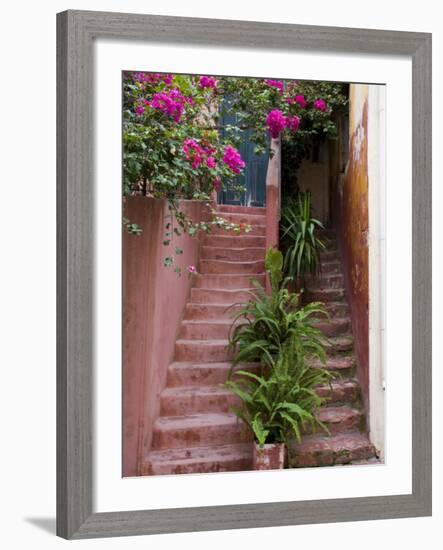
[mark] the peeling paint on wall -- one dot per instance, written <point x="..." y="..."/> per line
<point x="352" y="224"/>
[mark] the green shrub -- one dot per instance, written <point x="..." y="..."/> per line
<point x="281" y="401"/>
<point x="266" y="322"/>
<point x="300" y="242"/>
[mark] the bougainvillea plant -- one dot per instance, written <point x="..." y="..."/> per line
<point x="173" y="146"/>
<point x="302" y="113"/>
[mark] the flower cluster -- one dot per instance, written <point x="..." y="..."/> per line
<point x="152" y="78"/>
<point x="277" y="84"/>
<point x="276" y="122"/>
<point x="321" y="105"/>
<point x="172" y="103"/>
<point x="292" y="123"/>
<point x="207" y="82"/>
<point x="233" y="159"/>
<point x="299" y="99"/>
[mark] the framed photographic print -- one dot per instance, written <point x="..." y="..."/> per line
<point x="244" y="274"/>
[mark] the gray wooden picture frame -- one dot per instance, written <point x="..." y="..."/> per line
<point x="76" y="32"/>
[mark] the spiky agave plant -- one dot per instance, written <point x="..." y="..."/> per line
<point x="265" y="323"/>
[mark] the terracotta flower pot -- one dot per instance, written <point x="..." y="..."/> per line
<point x="269" y="457"/>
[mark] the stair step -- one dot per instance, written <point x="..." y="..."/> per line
<point x="182" y="401"/>
<point x="227" y="281"/>
<point x="329" y="255"/>
<point x="231" y="268"/>
<point x="256" y="230"/>
<point x="232" y="254"/>
<point x="198" y="430"/>
<point x="326" y="280"/>
<point x="206" y="329"/>
<point x="316" y="294"/>
<point x="241" y="209"/>
<point x="339" y="344"/>
<point x="340" y="391"/>
<point x="218" y="458"/>
<point x="339" y="419"/>
<point x="337" y="309"/>
<point x="202" y="350"/>
<point x="319" y="450"/>
<point x="202" y="374"/>
<point x="202" y="311"/>
<point x="239" y="241"/>
<point x="243" y="217"/>
<point x="334" y="326"/>
<point x="333" y="266"/>
<point x="218" y="297"/>
<point x="342" y="365"/>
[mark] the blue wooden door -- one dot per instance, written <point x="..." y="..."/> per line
<point x="253" y="177"/>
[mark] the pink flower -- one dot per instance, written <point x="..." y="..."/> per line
<point x="300" y="99"/>
<point x="276" y="122"/>
<point x="210" y="162"/>
<point x="321" y="105"/>
<point x="139" y="110"/>
<point x="191" y="269"/>
<point x="292" y="122"/>
<point x="193" y="152"/>
<point x="171" y="103"/>
<point x="207" y="82"/>
<point x="277" y="84"/>
<point x="217" y="184"/>
<point x="233" y="159"/>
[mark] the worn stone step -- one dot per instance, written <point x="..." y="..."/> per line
<point x="201" y="311"/>
<point x="226" y="297"/>
<point x="339" y="419"/>
<point x="339" y="344"/>
<point x="231" y="268"/>
<point x="340" y="391"/>
<point x="321" y="450"/>
<point x="237" y="241"/>
<point x="337" y="309"/>
<point x="207" y="329"/>
<point x="256" y="230"/>
<point x="227" y="281"/>
<point x="202" y="350"/>
<point x="332" y="266"/>
<point x="243" y="217"/>
<point x="203" y="374"/>
<point x="199" y="460"/>
<point x="334" y="326"/>
<point x="341" y="365"/>
<point x="330" y="255"/>
<point x="326" y="280"/>
<point x="180" y="401"/>
<point x="317" y="294"/>
<point x="198" y="430"/>
<point x="232" y="254"/>
<point x="223" y="208"/>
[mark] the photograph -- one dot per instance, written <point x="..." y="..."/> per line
<point x="246" y="290"/>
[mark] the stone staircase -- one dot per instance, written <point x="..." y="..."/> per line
<point x="348" y="441"/>
<point x="195" y="432"/>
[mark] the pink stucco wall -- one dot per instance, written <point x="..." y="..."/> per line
<point x="153" y="301"/>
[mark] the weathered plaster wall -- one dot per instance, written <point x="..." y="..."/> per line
<point x="153" y="301"/>
<point x="351" y="220"/>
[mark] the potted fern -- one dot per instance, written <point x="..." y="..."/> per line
<point x="279" y="401"/>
